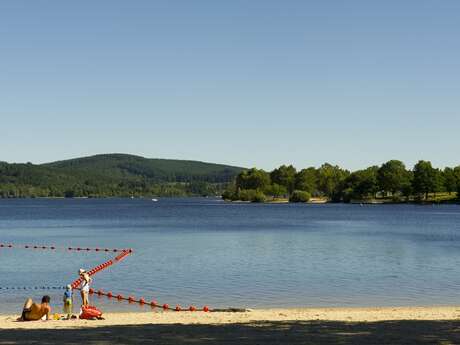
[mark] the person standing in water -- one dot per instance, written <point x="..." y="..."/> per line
<point x="84" y="286"/>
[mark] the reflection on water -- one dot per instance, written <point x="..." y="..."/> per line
<point x="205" y="251"/>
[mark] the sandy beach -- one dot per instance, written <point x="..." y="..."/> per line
<point x="431" y="325"/>
<point x="256" y="315"/>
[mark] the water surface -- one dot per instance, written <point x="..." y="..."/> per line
<point x="206" y="251"/>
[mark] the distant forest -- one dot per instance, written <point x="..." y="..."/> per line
<point x="114" y="175"/>
<point x="390" y="182"/>
<point x="121" y="175"/>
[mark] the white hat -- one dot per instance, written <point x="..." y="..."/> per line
<point x="81" y="271"/>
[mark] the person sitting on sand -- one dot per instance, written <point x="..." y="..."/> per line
<point x="84" y="286"/>
<point x="33" y="311"/>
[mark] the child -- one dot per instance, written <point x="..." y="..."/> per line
<point x="68" y="301"/>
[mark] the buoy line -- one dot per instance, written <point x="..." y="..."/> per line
<point x="75" y="284"/>
<point x="32" y="287"/>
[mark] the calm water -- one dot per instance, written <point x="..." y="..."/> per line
<point x="205" y="251"/>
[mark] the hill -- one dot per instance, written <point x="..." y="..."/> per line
<point x="114" y="175"/>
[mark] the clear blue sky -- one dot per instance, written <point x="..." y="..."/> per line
<point x="249" y="83"/>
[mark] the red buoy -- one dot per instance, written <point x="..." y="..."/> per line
<point x="192" y="308"/>
<point x="91" y="290"/>
<point x="205" y="308"/>
<point x="165" y="306"/>
<point x="154" y="303"/>
<point x="119" y="297"/>
<point x="177" y="308"/>
<point x="100" y="292"/>
<point x="109" y="294"/>
<point x="142" y="301"/>
<point x="131" y="299"/>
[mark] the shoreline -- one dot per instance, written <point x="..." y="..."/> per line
<point x="348" y="314"/>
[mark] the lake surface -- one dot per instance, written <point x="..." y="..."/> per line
<point x="206" y="251"/>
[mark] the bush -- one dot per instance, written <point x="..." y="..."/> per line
<point x="228" y="195"/>
<point x="299" y="196"/>
<point x="252" y="195"/>
<point x="276" y="190"/>
<point x="259" y="197"/>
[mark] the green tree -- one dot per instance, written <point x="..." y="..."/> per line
<point x="450" y="180"/>
<point x="425" y="178"/>
<point x="252" y="195"/>
<point x="284" y="176"/>
<point x="307" y="180"/>
<point x="276" y="190"/>
<point x="407" y="188"/>
<point x="392" y="177"/>
<point x="253" y="179"/>
<point x="361" y="184"/>
<point x="330" y="179"/>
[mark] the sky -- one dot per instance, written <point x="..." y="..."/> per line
<point x="246" y="83"/>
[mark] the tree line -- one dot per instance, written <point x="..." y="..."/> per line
<point x="29" y="181"/>
<point x="391" y="181"/>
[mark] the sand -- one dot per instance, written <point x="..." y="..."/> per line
<point x="380" y="325"/>
<point x="304" y="314"/>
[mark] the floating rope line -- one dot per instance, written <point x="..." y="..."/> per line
<point x="103" y="266"/>
<point x="75" y="284"/>
<point x="142" y="301"/>
<point x="78" y="249"/>
<point x="32" y="287"/>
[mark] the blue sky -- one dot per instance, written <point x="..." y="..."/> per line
<point x="248" y="83"/>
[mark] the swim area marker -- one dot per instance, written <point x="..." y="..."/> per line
<point x="75" y="285"/>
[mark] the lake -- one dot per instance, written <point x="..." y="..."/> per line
<point x="208" y="252"/>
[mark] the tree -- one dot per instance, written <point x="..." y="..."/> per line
<point x="407" y="188"/>
<point x="252" y="179"/>
<point x="439" y="181"/>
<point x="276" y="190"/>
<point x="252" y="195"/>
<point x="361" y="184"/>
<point x="392" y="177"/>
<point x="330" y="179"/>
<point x="425" y="178"/>
<point x="307" y="180"/>
<point x="284" y="176"/>
<point x="457" y="174"/>
<point x="450" y="180"/>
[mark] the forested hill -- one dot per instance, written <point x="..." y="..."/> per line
<point x="114" y="175"/>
